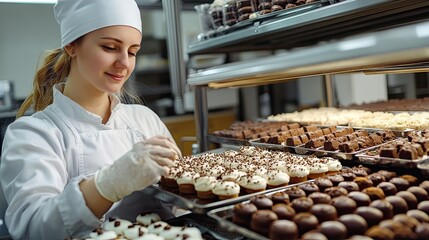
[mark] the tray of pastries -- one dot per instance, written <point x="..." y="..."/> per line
<point x="406" y="152"/>
<point x="211" y="180"/>
<point x="354" y="204"/>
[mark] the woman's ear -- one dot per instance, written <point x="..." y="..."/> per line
<point x="70" y="48"/>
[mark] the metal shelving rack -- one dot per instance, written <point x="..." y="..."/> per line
<point x="378" y="36"/>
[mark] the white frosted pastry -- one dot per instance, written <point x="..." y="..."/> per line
<point x="253" y="183"/>
<point x="101" y="234"/>
<point x="317" y="170"/>
<point x="261" y="171"/>
<point x="334" y="166"/>
<point x="215" y="171"/>
<point x="157" y="227"/>
<point x="232" y="175"/>
<point x="148" y="218"/>
<point x="279" y="165"/>
<point x="117" y="225"/>
<point x="298" y="173"/>
<point x="226" y="189"/>
<point x="149" y="236"/>
<point x="276" y="178"/>
<point x="205" y="183"/>
<point x="135" y="231"/>
<point x="190" y="233"/>
<point x="170" y="232"/>
<point x="187" y="177"/>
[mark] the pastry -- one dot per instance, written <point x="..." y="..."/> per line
<point x="102" y="234"/>
<point x="419" y="192"/>
<point x="305" y="222"/>
<point x="384" y="206"/>
<point x="323" y="183"/>
<point x="226" y="190"/>
<point x="372" y="216"/>
<point x="398" y="203"/>
<point x="283" y="211"/>
<point x="419" y="215"/>
<point x="302" y="204"/>
<point x="295" y="192"/>
<point x="242" y="213"/>
<point x="363" y="182"/>
<point x="283" y="229"/>
<point x="135" y="231"/>
<point x="324" y="212"/>
<point x="298" y="173"/>
<point x="374" y="193"/>
<point x="355" y="224"/>
<point x="252" y="183"/>
<point x="424" y="206"/>
<point x="400" y="183"/>
<point x="333" y="230"/>
<point x="186" y="182"/>
<point x="344" y="205"/>
<point x="360" y="198"/>
<point x="309" y="188"/>
<point x="336" y="192"/>
<point x="409" y="198"/>
<point x="261" y="221"/>
<point x="349" y="186"/>
<point x="276" y="178"/>
<point x="280" y="197"/>
<point x="319" y="197"/>
<point x="317" y="170"/>
<point x="204" y="186"/>
<point x="261" y="202"/>
<point x="117" y="225"/>
<point x="377" y="232"/>
<point x="388" y="188"/>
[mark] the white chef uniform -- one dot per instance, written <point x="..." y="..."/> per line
<point x="46" y="155"/>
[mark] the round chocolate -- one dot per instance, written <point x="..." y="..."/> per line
<point x="335" y="179"/>
<point x="419" y="215"/>
<point x="261" y="221"/>
<point x="374" y="193"/>
<point x="390" y="224"/>
<point x="412" y="181"/>
<point x="361" y="199"/>
<point x="344" y="205"/>
<point x="398" y="203"/>
<point x="319" y="197"/>
<point x="242" y="213"/>
<point x="305" y="222"/>
<point x="323" y="183"/>
<point x="424" y="206"/>
<point x="384" y="206"/>
<point x="336" y="192"/>
<point x="348" y="176"/>
<point x="377" y="232"/>
<point x="422" y="231"/>
<point x="359" y="237"/>
<point x="387" y="174"/>
<point x="349" y="186"/>
<point x="302" y="204"/>
<point x="354" y="223"/>
<point x="333" y="230"/>
<point x="295" y="192"/>
<point x="376" y="178"/>
<point x="262" y="202"/>
<point x="388" y="188"/>
<point x="406" y="220"/>
<point x="363" y="182"/>
<point x="419" y="192"/>
<point x="283" y="229"/>
<point x="372" y="216"/>
<point x="425" y="185"/>
<point x="312" y="235"/>
<point x="280" y="197"/>
<point x="400" y="183"/>
<point x="324" y="212"/>
<point x="283" y="211"/>
<point x="359" y="171"/>
<point x="409" y="198"/>
<point x="309" y="188"/>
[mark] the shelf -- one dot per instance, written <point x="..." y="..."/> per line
<point x="323" y="24"/>
<point x="401" y="45"/>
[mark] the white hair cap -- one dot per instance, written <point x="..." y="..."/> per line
<point x="79" y="17"/>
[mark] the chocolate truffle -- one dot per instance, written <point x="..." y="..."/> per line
<point x="349" y="186"/>
<point x="422" y="231"/>
<point x="376" y="178"/>
<point x="424" y="206"/>
<point x="354" y="223"/>
<point x="388" y="188"/>
<point x="398" y="203"/>
<point x="323" y="183"/>
<point x="359" y="171"/>
<point x="377" y="232"/>
<point x="425" y="185"/>
<point x="409" y="198"/>
<point x="302" y="204"/>
<point x="335" y="179"/>
<point x="336" y="192"/>
<point x="309" y="188"/>
<point x="261" y="221"/>
<point x="348" y="176"/>
<point x="363" y="182"/>
<point x="283" y="229"/>
<point x="390" y="224"/>
<point x="406" y="220"/>
<point x="412" y="181"/>
<point x="319" y="197"/>
<point x="384" y="206"/>
<point x="333" y="230"/>
<point x="372" y="216"/>
<point x="344" y="205"/>
<point x="324" y="212"/>
<point x="280" y="197"/>
<point x="400" y="183"/>
<point x="419" y="192"/>
<point x="305" y="222"/>
<point x="242" y="213"/>
<point x="295" y="192"/>
<point x="283" y="211"/>
<point x="374" y="193"/>
<point x="312" y="235"/>
<point x="419" y="215"/>
<point x="387" y="174"/>
<point x="359" y="237"/>
<point x="262" y="202"/>
<point x="360" y="198"/>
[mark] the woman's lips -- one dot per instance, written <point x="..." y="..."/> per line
<point x="118" y="77"/>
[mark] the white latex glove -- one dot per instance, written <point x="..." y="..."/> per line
<point x="139" y="168"/>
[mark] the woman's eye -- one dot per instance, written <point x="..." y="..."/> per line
<point x="109" y="48"/>
<point x="132" y="54"/>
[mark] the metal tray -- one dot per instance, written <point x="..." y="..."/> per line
<point x="196" y="205"/>
<point x="397" y="132"/>
<point x="230" y="141"/>
<point x="389" y="162"/>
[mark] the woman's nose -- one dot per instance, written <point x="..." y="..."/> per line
<point x="123" y="60"/>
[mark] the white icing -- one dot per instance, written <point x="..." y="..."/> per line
<point x="276" y="178"/>
<point x="116" y="225"/>
<point x="226" y="188"/>
<point x="135" y="231"/>
<point x="146" y="219"/>
<point x="103" y="235"/>
<point x="205" y="183"/>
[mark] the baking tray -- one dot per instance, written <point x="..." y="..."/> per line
<point x="397" y="132"/>
<point x="373" y="159"/>
<point x="230" y="141"/>
<point x="196" y="205"/>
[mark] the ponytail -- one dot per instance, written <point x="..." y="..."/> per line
<point x="54" y="69"/>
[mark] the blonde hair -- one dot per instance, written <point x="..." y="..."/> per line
<point x="55" y="69"/>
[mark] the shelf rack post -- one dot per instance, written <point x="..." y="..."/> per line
<point x="201" y="117"/>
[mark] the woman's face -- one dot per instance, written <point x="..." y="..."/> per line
<point x="105" y="58"/>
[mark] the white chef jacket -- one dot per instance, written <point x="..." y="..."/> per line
<point x="46" y="155"/>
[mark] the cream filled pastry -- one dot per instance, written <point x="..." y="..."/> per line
<point x="116" y="225"/>
<point x="232" y="175"/>
<point x="253" y="183"/>
<point x="317" y="170"/>
<point x="186" y="182"/>
<point x="148" y="218"/>
<point x="135" y="231"/>
<point x="101" y="234"/>
<point x="157" y="227"/>
<point x="298" y="173"/>
<point x="204" y="185"/>
<point x="226" y="189"/>
<point x="276" y="178"/>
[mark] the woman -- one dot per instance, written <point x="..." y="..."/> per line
<point x="84" y="155"/>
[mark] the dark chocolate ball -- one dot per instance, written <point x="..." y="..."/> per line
<point x="283" y="229"/>
<point x="398" y="203"/>
<point x="354" y="223"/>
<point x="409" y="198"/>
<point x="344" y="205"/>
<point x="336" y="192"/>
<point x="305" y="222"/>
<point x="261" y="221"/>
<point x="371" y="215"/>
<point x="406" y="220"/>
<point x="387" y="174"/>
<point x="376" y="178"/>
<point x="324" y="212"/>
<point x="424" y="206"/>
<point x="309" y="188"/>
<point x="283" y="211"/>
<point x="333" y="230"/>
<point x="242" y="213"/>
<point x="348" y="176"/>
<point x="360" y="198"/>
<point x="262" y="202"/>
<point x="280" y="197"/>
<point x="412" y="181"/>
<point x="349" y="186"/>
<point x="425" y="185"/>
<point x="400" y="183"/>
<point x="390" y="224"/>
<point x="363" y="182"/>
<point x="384" y="206"/>
<point x="377" y="232"/>
<point x="374" y="193"/>
<point x="388" y="188"/>
<point x="422" y="231"/>
<point x="323" y="183"/>
<point x="419" y="215"/>
<point x="319" y="197"/>
<point x="312" y="235"/>
<point x="302" y="204"/>
<point x="335" y="179"/>
<point x="295" y="192"/>
<point x="419" y="192"/>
